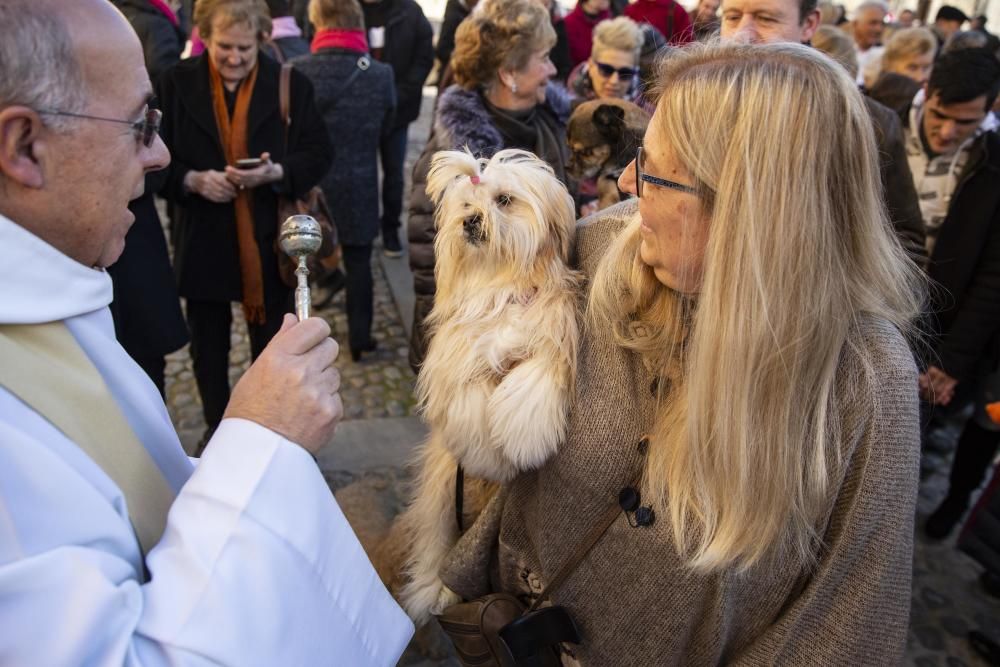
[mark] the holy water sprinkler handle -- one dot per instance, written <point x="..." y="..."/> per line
<point x="299" y="238"/>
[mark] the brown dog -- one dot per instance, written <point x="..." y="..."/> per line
<point x="603" y="136"/>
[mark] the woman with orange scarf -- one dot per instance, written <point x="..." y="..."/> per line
<point x="218" y="109"/>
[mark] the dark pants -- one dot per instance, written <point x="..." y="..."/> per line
<point x="360" y="299"/>
<point x="392" y="151"/>
<point x="210" y="323"/>
<point x="975" y="451"/>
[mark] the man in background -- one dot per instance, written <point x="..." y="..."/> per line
<point x="766" y="21"/>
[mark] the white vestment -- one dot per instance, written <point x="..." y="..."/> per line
<point x="257" y="565"/>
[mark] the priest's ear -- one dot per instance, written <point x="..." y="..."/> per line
<point x="23" y="144"/>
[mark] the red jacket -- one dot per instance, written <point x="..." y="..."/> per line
<point x="580" y="33"/>
<point x="657" y="14"/>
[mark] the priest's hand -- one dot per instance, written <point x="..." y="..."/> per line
<point x="293" y="388"/>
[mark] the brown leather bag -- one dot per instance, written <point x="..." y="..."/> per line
<point x="483" y="630"/>
<point x="474" y="628"/>
<point x="327" y="258"/>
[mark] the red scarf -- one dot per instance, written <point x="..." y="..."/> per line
<point x="339" y="38"/>
<point x="166" y="11"/>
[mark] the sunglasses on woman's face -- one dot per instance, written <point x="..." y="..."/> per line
<point x="624" y="73"/>
<point x="145" y="129"/>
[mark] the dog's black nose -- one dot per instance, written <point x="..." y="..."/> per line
<point x="473" y="226"/>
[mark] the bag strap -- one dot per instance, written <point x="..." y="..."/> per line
<point x="582" y="549"/>
<point x="279" y="55"/>
<point x="45" y="367"/>
<point x="459" y="497"/>
<point x="364" y="62"/>
<point x="285" y="98"/>
<point x="285" y="90"/>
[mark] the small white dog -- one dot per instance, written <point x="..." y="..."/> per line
<point x="498" y="377"/>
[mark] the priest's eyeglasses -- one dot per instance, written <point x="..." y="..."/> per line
<point x="642" y="177"/>
<point x="145" y="129"/>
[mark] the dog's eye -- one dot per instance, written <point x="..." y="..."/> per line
<point x="503" y="200"/>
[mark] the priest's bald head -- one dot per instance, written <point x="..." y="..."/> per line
<point x="76" y="135"/>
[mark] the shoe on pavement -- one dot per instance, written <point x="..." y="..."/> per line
<point x="370" y="346"/>
<point x="391" y="246"/>
<point x="940" y="524"/>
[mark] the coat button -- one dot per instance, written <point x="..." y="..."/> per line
<point x="643" y="446"/>
<point x="628" y="498"/>
<point x="645" y="516"/>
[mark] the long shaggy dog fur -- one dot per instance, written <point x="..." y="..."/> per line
<point x="498" y="376"/>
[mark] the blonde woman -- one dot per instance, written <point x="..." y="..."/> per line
<point x="910" y="52"/>
<point x="612" y="71"/>
<point x="744" y="371"/>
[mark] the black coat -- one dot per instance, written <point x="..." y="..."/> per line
<point x="966" y="264"/>
<point x="357" y="118"/>
<point x="204" y="233"/>
<point x="454" y="13"/>
<point x="162" y="43"/>
<point x="146" y="309"/>
<point x="409" y="50"/>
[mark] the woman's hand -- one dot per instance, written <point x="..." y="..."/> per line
<point x="936" y="386"/>
<point x="269" y="172"/>
<point x="210" y="184"/>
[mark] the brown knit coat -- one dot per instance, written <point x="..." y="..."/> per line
<point x="635" y="600"/>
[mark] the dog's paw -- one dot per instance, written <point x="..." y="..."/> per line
<point x="446" y="598"/>
<point x="421" y="601"/>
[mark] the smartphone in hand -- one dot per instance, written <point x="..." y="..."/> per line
<point x="249" y="163"/>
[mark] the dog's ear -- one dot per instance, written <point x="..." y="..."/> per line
<point x="447" y="167"/>
<point x="610" y="120"/>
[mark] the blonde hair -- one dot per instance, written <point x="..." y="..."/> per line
<point x="835" y="43"/>
<point x="828" y="14"/>
<point x="907" y="43"/>
<point x="252" y="12"/>
<point x="618" y="34"/>
<point x="745" y="449"/>
<point x="499" y="34"/>
<point x="336" y="14"/>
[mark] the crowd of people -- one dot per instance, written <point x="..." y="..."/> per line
<point x="809" y="235"/>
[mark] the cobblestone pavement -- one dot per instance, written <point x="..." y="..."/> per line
<point x="380" y="385"/>
<point x="947" y="600"/>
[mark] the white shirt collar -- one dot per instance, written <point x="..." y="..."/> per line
<point x="40" y="284"/>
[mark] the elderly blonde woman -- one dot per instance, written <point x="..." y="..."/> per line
<point x="219" y="108"/>
<point x="502" y="99"/>
<point x="906" y="66"/>
<point x="745" y="396"/>
<point x="910" y="52"/>
<point x="835" y="43"/>
<point x="612" y="71"/>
